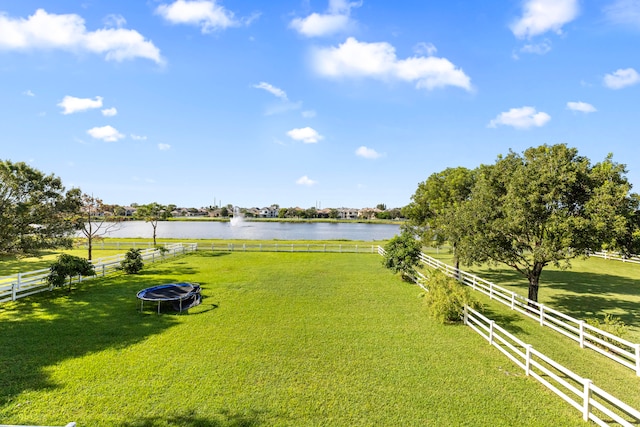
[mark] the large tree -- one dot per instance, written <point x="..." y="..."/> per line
<point x="546" y="206"/>
<point x="431" y="211"/>
<point x="92" y="222"/>
<point x="152" y="213"/>
<point x="36" y="212"/>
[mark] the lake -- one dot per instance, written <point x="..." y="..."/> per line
<point x="258" y="230"/>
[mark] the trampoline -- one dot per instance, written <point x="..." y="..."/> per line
<point x="183" y="296"/>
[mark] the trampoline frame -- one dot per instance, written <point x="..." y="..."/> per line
<point x="195" y="289"/>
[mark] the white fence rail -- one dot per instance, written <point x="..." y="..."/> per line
<point x="290" y="247"/>
<point x="24" y="284"/>
<point x="617" y="257"/>
<point x="618" y="349"/>
<point x="579" y="392"/>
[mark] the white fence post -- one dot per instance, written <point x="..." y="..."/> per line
<point x="586" y="403"/>
<point x="581" y="334"/>
<point x="490" y="290"/>
<point x="541" y="307"/>
<point x="527" y="362"/>
<point x="491" y="324"/>
<point x="513" y="300"/>
<point x="13" y="291"/>
<point x="466" y="315"/>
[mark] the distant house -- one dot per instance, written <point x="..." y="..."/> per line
<point x="270" y="212"/>
<point x="347" y="213"/>
<point x="368" y="213"/>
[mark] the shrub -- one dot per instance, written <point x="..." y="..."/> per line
<point x="402" y="255"/>
<point x="610" y="324"/>
<point x="132" y="262"/>
<point x="68" y="266"/>
<point x="446" y="298"/>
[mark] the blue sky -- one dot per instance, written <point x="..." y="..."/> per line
<point x="308" y="103"/>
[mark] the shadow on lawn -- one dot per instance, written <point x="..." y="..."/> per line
<point x="39" y="331"/>
<point x="582" y="295"/>
<point x="225" y="419"/>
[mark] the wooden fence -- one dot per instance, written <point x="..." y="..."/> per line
<point x="618" y="349"/>
<point x="593" y="402"/>
<point x="24" y="284"/>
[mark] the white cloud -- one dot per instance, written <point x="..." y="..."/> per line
<point x="164" y="147"/>
<point x="206" y="14"/>
<point x="336" y="20"/>
<point x="68" y="32"/>
<point x="621" y="78"/>
<point x="307" y="135"/>
<point x="520" y="118"/>
<point x="138" y="137"/>
<point x="304" y="180"/>
<point x="71" y="104"/>
<point x="582" y="107"/>
<point x="28" y="93"/>
<point x="378" y="60"/>
<point x="537" y="48"/>
<point x="308" y="114"/>
<point x="110" y="112"/>
<point x="624" y="12"/>
<point x="367" y="153"/>
<point x="423" y="48"/>
<point x="114" y="21"/>
<point x="105" y="133"/>
<point x="272" y="90"/>
<point x="541" y="16"/>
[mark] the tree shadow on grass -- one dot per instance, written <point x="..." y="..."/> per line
<point x="505" y="320"/>
<point x="593" y="296"/>
<point x="582" y="295"/>
<point x="224" y="419"/>
<point x="39" y="331"/>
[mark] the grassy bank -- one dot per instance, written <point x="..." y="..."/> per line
<point x="280" y="339"/>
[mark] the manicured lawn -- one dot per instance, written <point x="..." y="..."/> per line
<point x="591" y="288"/>
<point x="287" y="339"/>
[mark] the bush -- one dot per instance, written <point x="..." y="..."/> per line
<point x="132" y="262"/>
<point x="402" y="254"/>
<point x="69" y="266"/>
<point x="446" y="298"/>
<point x="610" y="324"/>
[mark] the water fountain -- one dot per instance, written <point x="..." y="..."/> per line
<point x="237" y="220"/>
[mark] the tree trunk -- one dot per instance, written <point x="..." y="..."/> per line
<point x="534" y="280"/>
<point x="90" y="246"/>
<point x="154" y="233"/>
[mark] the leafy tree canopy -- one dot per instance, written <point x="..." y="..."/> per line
<point x="402" y="254"/>
<point x="543" y="207"/>
<point x="35" y="210"/>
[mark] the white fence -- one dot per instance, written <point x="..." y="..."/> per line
<point x="617" y="257"/>
<point x="618" y="349"/>
<point x="579" y="392"/>
<point x="290" y="247"/>
<point x="24" y="284"/>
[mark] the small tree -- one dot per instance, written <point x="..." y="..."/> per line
<point x="152" y="213"/>
<point x="446" y="298"/>
<point x="132" y="262"/>
<point x="92" y="222"/>
<point x="402" y="255"/>
<point x="68" y="266"/>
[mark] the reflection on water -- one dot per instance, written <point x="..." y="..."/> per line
<point x="258" y="230"/>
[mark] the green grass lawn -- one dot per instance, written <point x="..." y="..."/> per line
<point x="280" y="339"/>
<point x="591" y="288"/>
